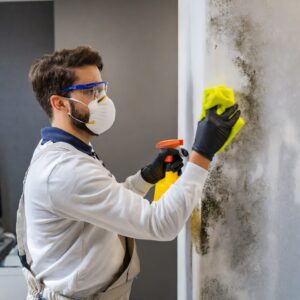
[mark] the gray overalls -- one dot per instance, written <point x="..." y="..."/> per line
<point x="118" y="290"/>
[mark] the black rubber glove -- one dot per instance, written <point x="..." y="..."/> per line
<point x="155" y="171"/>
<point x="213" y="131"/>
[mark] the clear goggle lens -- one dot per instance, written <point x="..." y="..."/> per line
<point x="96" y="92"/>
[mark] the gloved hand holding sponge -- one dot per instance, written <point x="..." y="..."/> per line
<point x="219" y="122"/>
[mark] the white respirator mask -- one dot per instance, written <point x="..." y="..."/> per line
<point x="102" y="113"/>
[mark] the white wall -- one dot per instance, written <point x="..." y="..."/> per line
<point x="247" y="244"/>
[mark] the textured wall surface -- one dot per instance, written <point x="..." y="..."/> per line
<point x="245" y="234"/>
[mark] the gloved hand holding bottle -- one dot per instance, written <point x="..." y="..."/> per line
<point x="156" y="171"/>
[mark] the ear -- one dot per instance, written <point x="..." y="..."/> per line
<point x="59" y="103"/>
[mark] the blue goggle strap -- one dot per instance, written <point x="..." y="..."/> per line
<point x="83" y="86"/>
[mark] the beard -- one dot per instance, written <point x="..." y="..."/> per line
<point x="84" y="117"/>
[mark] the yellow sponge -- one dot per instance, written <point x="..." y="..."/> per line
<point x="223" y="97"/>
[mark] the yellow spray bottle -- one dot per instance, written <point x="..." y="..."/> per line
<point x="162" y="186"/>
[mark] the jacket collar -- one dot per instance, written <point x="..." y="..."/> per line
<point x="55" y="134"/>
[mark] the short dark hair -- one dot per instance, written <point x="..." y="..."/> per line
<point x="52" y="72"/>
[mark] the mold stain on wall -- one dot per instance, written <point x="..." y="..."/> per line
<point x="226" y="230"/>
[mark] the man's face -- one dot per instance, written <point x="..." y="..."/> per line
<point x="84" y="75"/>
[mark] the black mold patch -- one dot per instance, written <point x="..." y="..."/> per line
<point x="244" y="29"/>
<point x="212" y="210"/>
<point x="222" y="5"/>
<point x="234" y="205"/>
<point x="216" y="26"/>
<point x="212" y="205"/>
<point x="213" y="289"/>
<point x="246" y="213"/>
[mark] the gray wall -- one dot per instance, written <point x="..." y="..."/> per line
<point x="26" y="31"/>
<point x="138" y="41"/>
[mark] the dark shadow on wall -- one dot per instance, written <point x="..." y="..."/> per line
<point x="27" y="32"/>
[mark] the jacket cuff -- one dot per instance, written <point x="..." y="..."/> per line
<point x="140" y="184"/>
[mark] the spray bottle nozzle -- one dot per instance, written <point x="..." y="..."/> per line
<point x="167" y="144"/>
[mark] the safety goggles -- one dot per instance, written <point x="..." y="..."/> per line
<point x="92" y="90"/>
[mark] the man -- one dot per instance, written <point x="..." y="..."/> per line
<point x="76" y="224"/>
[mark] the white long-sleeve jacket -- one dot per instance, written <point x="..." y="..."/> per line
<point x="75" y="211"/>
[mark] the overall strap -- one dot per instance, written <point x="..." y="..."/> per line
<point x="21" y="221"/>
